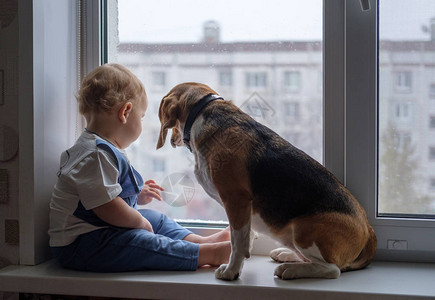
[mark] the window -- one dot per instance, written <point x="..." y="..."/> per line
<point x="432" y="184"/>
<point x="432" y="122"/>
<point x="432" y="91"/>
<point x="403" y="81"/>
<point x="432" y="153"/>
<point x="402" y="171"/>
<point x="256" y="80"/>
<point x="159" y="166"/>
<point x="292" y="81"/>
<point x="400" y="141"/>
<point x="159" y="80"/>
<point x="402" y="111"/>
<point x="225" y="78"/>
<point x="351" y="49"/>
<point x="351" y="122"/>
<point x="291" y="110"/>
<point x="242" y="63"/>
<point x="389" y="37"/>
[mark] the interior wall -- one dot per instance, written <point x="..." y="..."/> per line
<point x="38" y="116"/>
<point x="9" y="58"/>
<point x="47" y="113"/>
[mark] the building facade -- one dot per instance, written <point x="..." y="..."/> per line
<point x="280" y="85"/>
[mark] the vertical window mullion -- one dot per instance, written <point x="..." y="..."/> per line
<point x="334" y="86"/>
<point x="361" y="103"/>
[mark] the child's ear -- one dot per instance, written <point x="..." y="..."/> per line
<point x="124" y="112"/>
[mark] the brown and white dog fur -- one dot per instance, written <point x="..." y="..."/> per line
<point x="265" y="182"/>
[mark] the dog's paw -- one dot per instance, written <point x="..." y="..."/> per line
<point x="285" y="272"/>
<point x="284" y="255"/>
<point x="225" y="273"/>
<point x="307" y="270"/>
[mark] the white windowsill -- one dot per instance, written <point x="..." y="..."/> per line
<point x="381" y="280"/>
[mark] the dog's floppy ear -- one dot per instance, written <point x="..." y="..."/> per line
<point x="168" y="115"/>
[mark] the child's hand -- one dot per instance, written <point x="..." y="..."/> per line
<point x="149" y="191"/>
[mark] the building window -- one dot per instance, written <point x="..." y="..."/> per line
<point x="292" y="110"/>
<point x="402" y="111"/>
<point x="225" y="78"/>
<point x="159" y="79"/>
<point x="292" y="81"/>
<point x="240" y="67"/>
<point x="403" y="81"/>
<point x="432" y="122"/>
<point x="159" y="165"/>
<point x="432" y="184"/>
<point x="431" y="153"/>
<point x="402" y="141"/>
<point x="256" y="79"/>
<point x="432" y="91"/>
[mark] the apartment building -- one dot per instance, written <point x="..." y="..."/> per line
<point x="280" y="85"/>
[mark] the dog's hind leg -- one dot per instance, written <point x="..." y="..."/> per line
<point x="307" y="270"/>
<point x="315" y="267"/>
<point x="286" y="255"/>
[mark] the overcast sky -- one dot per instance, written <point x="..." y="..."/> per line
<point x="251" y="20"/>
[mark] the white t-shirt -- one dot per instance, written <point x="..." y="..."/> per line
<point x="87" y="174"/>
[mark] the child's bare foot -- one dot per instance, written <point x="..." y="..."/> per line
<point x="221" y="236"/>
<point x="214" y="254"/>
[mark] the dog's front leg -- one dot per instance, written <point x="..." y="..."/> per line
<point x="240" y="224"/>
<point x="240" y="240"/>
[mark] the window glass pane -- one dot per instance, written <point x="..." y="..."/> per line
<point x="292" y="80"/>
<point x="406" y="108"/>
<point x="267" y="59"/>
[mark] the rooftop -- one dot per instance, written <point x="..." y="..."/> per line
<point x="272" y="46"/>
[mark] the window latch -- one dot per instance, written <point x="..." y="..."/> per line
<point x="365" y="5"/>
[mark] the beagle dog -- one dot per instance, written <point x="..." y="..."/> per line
<point x="266" y="183"/>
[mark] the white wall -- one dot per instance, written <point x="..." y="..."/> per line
<point x="41" y="60"/>
<point x="52" y="122"/>
<point x="9" y="117"/>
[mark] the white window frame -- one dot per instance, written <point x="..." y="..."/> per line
<point x="360" y="135"/>
<point x="350" y="148"/>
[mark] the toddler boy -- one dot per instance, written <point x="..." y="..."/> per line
<point x="94" y="221"/>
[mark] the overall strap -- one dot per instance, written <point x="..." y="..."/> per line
<point x="129" y="179"/>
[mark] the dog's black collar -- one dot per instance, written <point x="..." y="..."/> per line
<point x="194" y="113"/>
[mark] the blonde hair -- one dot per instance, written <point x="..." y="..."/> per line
<point x="108" y="86"/>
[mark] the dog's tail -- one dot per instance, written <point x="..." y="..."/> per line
<point x="367" y="254"/>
